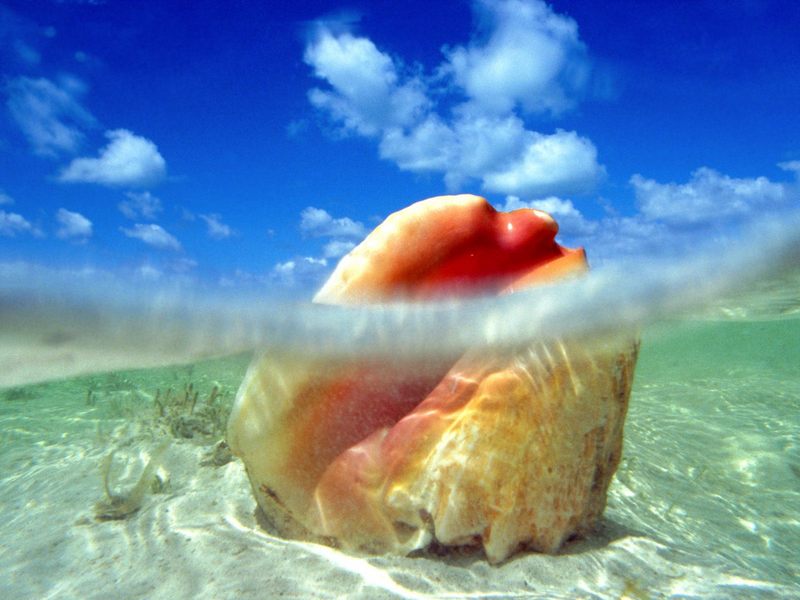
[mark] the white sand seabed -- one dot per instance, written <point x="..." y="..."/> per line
<point x="200" y="537"/>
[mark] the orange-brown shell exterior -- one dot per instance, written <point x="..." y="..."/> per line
<point x="506" y="448"/>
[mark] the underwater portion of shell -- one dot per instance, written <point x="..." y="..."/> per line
<point x="508" y="452"/>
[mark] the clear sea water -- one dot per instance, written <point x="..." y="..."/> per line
<point x="706" y="502"/>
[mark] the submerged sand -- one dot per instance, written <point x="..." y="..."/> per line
<point x="705" y="502"/>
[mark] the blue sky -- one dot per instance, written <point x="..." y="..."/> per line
<point x="252" y="144"/>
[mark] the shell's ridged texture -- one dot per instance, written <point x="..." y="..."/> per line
<point x="506" y="448"/>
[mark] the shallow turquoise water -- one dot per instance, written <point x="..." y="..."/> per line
<point x="712" y="460"/>
<point x="706" y="502"/>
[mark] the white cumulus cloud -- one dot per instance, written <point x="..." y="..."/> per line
<point x="49" y="113"/>
<point x="559" y="163"/>
<point x="72" y="225"/>
<point x="674" y="216"/>
<point x="318" y="222"/>
<point x="465" y="121"/>
<point x="153" y="235"/>
<point x="216" y="228"/>
<point x="128" y="159"/>
<point x="140" y="205"/>
<point x="498" y="151"/>
<point x="706" y="197"/>
<point x="532" y="58"/>
<point x="367" y="96"/>
<point x="468" y="147"/>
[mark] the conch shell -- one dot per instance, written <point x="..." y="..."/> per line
<point x="507" y="448"/>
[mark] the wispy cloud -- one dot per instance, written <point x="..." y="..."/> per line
<point x="217" y="230"/>
<point x="153" y="235"/>
<point x="792" y="166"/>
<point x="72" y="225"/>
<point x="707" y="196"/>
<point x="240" y="277"/>
<point x="183" y="265"/>
<point x="140" y="205"/>
<point x="27" y="53"/>
<point x="671" y="216"/>
<point x="307" y="272"/>
<point x="16" y="32"/>
<point x="49" y="113"/>
<point x="614" y="237"/>
<point x="5" y="198"/>
<point x="178" y="270"/>
<point x="295" y="129"/>
<point x="149" y="272"/>
<point x="337" y="248"/>
<point x="127" y="160"/>
<point x="12" y="224"/>
<point x="318" y="222"/>
<point x="301" y="272"/>
<point x="465" y="121"/>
